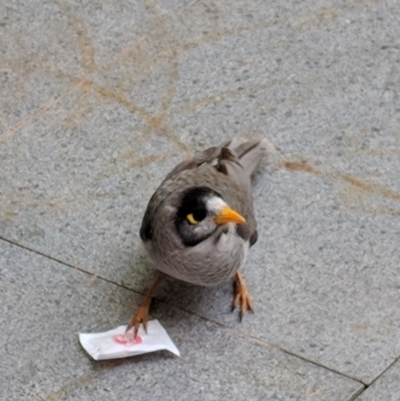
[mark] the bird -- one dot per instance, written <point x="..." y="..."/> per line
<point x="199" y="224"/>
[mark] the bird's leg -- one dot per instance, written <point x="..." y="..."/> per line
<point x="142" y="312"/>
<point x="241" y="297"/>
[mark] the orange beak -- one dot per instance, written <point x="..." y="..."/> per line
<point x="228" y="215"/>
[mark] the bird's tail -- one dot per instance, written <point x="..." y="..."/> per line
<point x="250" y="152"/>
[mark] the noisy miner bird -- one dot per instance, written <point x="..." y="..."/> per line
<point x="199" y="223"/>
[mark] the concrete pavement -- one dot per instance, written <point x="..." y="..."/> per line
<point x="99" y="100"/>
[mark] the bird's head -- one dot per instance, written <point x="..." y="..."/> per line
<point x="200" y="213"/>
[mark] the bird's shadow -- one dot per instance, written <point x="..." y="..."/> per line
<point x="196" y="299"/>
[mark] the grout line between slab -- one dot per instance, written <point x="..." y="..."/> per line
<point x="233" y="331"/>
<point x="81" y="381"/>
<point x="272" y="345"/>
<point x="380" y="374"/>
<point x="358" y="393"/>
<point x="68" y="265"/>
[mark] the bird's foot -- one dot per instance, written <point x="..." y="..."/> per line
<point x="241" y="297"/>
<point x="142" y="313"/>
<point x="141" y="316"/>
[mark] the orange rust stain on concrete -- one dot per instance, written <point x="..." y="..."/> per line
<point x="301" y="166"/>
<point x="134" y="161"/>
<point x="353" y="181"/>
<point x="119" y="98"/>
<point x="156" y="122"/>
<point x="367" y="186"/>
<point x="83" y="38"/>
<point x="358" y="327"/>
<point x="146" y="160"/>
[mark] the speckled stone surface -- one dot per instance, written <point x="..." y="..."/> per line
<point x="45" y="304"/>
<point x="99" y="101"/>
<point x="47" y="47"/>
<point x="324" y="280"/>
<point x="386" y="388"/>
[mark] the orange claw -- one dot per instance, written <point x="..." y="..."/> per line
<point x="141" y="316"/>
<point x="241" y="297"/>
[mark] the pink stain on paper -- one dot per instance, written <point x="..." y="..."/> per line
<point x="127" y="339"/>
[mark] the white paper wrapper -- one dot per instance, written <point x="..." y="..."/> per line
<point x="116" y="343"/>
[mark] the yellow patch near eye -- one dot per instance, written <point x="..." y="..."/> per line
<point x="191" y="219"/>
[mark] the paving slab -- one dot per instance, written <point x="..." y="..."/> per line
<point x="324" y="280"/>
<point x="77" y="192"/>
<point x="329" y="102"/>
<point x="386" y="388"/>
<point x="48" y="46"/>
<point x="44" y="304"/>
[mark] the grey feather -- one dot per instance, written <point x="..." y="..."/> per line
<point x="250" y="153"/>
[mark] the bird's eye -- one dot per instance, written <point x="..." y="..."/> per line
<point x="197" y="216"/>
<point x="191" y="219"/>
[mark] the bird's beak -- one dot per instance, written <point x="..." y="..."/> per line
<point x="228" y="215"/>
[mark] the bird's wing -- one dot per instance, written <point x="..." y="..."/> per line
<point x="248" y="153"/>
<point x="209" y="156"/>
<point x="239" y="159"/>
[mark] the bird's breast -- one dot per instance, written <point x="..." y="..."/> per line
<point x="208" y="263"/>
